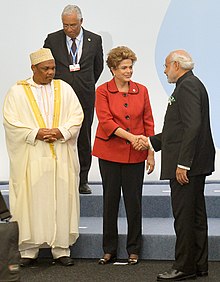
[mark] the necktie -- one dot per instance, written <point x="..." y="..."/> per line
<point x="73" y="48"/>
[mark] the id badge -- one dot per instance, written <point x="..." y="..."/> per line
<point x="75" y="67"/>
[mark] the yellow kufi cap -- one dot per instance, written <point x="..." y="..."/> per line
<point x="41" y="55"/>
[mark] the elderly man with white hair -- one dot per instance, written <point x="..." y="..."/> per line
<point x="187" y="157"/>
<point x="42" y="120"/>
<point x="79" y="61"/>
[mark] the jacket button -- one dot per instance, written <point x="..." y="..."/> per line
<point x="127" y="117"/>
<point x="126" y="105"/>
<point x="125" y="94"/>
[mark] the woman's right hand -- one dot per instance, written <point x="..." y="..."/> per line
<point x="140" y="143"/>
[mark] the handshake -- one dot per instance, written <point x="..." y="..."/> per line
<point x="140" y="142"/>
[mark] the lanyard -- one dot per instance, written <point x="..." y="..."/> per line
<point x="77" y="48"/>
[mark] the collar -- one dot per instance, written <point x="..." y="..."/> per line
<point x="34" y="84"/>
<point x="133" y="87"/>
<point x="187" y="74"/>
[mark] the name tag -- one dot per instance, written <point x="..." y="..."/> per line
<point x="75" y="67"/>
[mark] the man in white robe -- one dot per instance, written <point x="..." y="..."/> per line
<point x="42" y="120"/>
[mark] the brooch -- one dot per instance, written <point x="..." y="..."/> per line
<point x="171" y="100"/>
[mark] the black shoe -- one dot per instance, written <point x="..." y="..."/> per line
<point x="65" y="261"/>
<point x="202" y="273"/>
<point x="107" y="258"/>
<point x="85" y="189"/>
<point x="175" y="275"/>
<point x="133" y="259"/>
<point x="27" y="262"/>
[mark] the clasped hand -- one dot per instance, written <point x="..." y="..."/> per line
<point x="140" y="143"/>
<point x="49" y="135"/>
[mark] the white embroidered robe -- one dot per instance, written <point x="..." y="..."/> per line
<point x="44" y="179"/>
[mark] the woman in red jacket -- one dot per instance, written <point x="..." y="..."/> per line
<point x="124" y="114"/>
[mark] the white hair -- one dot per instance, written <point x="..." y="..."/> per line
<point x="184" y="59"/>
<point x="69" y="9"/>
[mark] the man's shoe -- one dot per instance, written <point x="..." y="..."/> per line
<point x="27" y="262"/>
<point x="85" y="189"/>
<point x="133" y="259"/>
<point x="107" y="258"/>
<point x="175" y="275"/>
<point x="202" y="273"/>
<point x="65" y="261"/>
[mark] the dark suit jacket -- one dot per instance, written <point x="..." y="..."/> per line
<point x="186" y="137"/>
<point x="91" y="64"/>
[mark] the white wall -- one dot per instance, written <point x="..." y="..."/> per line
<point x="25" y="24"/>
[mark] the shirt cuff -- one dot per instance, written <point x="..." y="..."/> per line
<point x="184" y="167"/>
<point x="150" y="145"/>
<point x="66" y="134"/>
<point x="31" y="138"/>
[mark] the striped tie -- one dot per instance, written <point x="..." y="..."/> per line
<point x="73" y="48"/>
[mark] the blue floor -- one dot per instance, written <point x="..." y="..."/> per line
<point x="158" y="232"/>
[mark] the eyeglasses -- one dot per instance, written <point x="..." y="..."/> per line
<point x="72" y="26"/>
<point x="166" y="65"/>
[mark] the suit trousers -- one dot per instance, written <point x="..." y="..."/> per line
<point x="84" y="145"/>
<point x="190" y="223"/>
<point x="129" y="179"/>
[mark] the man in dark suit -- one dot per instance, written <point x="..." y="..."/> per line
<point x="187" y="157"/>
<point x="78" y="56"/>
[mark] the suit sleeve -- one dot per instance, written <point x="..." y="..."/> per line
<point x="156" y="142"/>
<point x="190" y="109"/>
<point x="105" y="117"/>
<point x="47" y="43"/>
<point x="98" y="63"/>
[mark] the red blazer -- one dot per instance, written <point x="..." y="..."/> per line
<point x="130" y="111"/>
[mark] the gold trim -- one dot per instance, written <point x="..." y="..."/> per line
<point x="57" y="103"/>
<point x="36" y="109"/>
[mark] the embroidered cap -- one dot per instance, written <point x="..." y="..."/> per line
<point x="41" y="55"/>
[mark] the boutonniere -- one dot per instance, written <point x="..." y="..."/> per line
<point x="171" y="100"/>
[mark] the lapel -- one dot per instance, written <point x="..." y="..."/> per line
<point x="87" y="40"/>
<point x="179" y="81"/>
<point x="62" y="49"/>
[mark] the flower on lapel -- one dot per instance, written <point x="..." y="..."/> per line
<point x="171" y="100"/>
